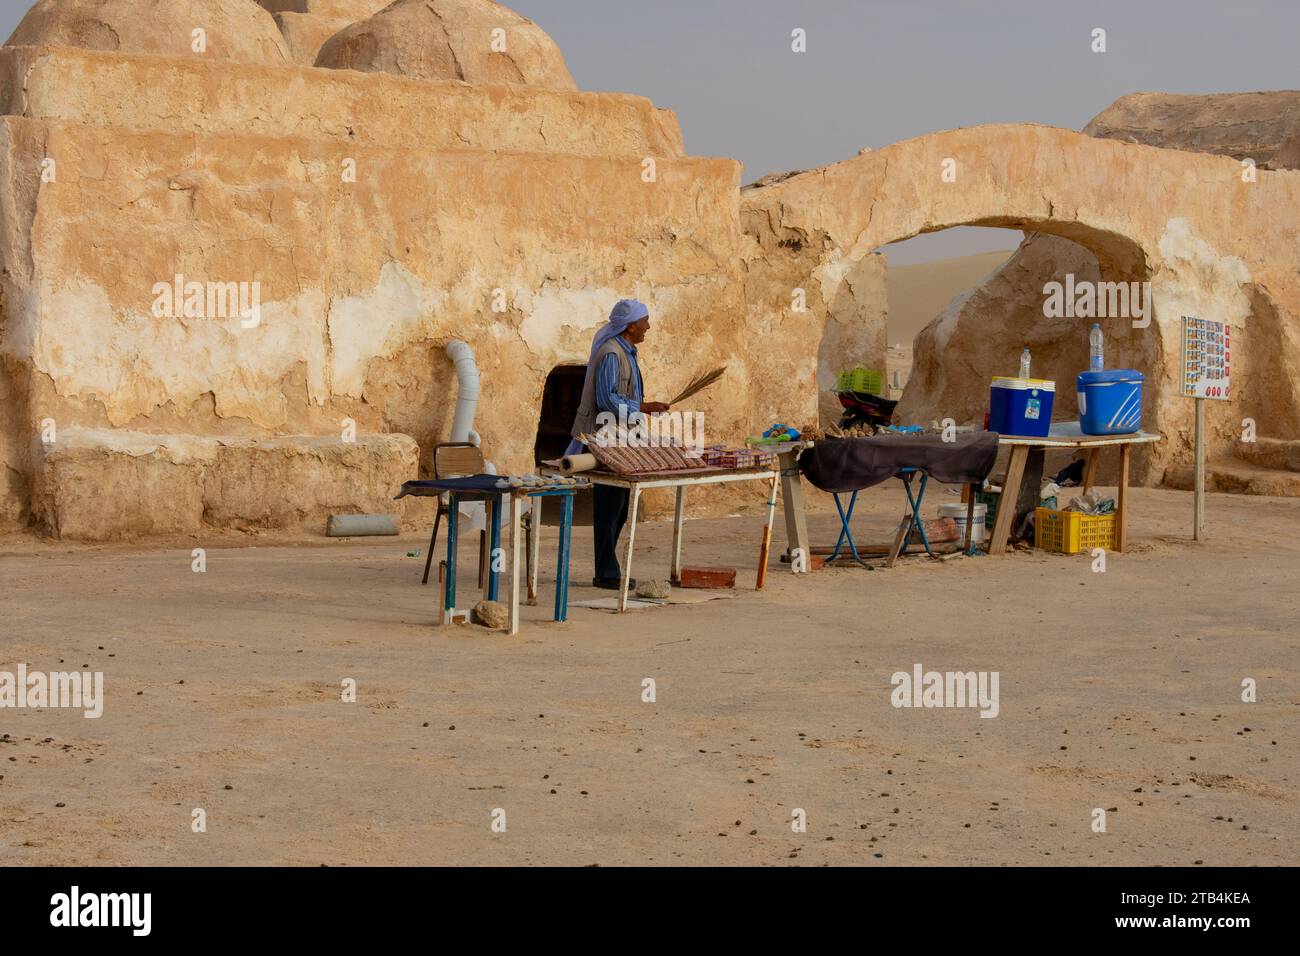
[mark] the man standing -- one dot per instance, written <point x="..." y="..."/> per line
<point x="612" y="385"/>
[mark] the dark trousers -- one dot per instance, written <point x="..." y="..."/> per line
<point x="609" y="514"/>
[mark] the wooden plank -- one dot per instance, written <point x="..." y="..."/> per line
<point x="1121" y="506"/>
<point x="766" y="547"/>
<point x="1031" y="486"/>
<point x="1010" y="493"/>
<point x="632" y="509"/>
<point x="534" y="543"/>
<point x="796" y="524"/>
<point x="900" y="536"/>
<point x="1091" y="458"/>
<point x="679" y="516"/>
<point x="1070" y="435"/>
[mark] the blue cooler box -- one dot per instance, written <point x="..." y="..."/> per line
<point x="1021" y="406"/>
<point x="1110" y="402"/>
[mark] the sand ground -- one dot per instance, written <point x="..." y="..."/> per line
<point x="1118" y="690"/>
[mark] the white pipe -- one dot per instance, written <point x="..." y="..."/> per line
<point x="462" y="423"/>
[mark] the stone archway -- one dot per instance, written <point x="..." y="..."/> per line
<point x="1143" y="213"/>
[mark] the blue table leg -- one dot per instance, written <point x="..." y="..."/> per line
<point x="494" y="548"/>
<point x="846" y="534"/>
<point x="916" y="510"/>
<point x="453" y="526"/>
<point x="844" y="525"/>
<point x="562" y="561"/>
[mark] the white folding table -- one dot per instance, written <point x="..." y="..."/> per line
<point x="681" y="482"/>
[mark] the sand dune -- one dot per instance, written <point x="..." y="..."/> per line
<point x="917" y="293"/>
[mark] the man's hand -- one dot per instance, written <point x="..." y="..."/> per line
<point x="654" y="408"/>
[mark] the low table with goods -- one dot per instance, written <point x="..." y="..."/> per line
<point x="845" y="466"/>
<point x="1019" y="496"/>
<point x="640" y="469"/>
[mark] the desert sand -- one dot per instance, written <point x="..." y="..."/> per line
<point x="1118" y="690"/>
<point x="919" y="292"/>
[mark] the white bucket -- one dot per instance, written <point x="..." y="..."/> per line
<point x="957" y="512"/>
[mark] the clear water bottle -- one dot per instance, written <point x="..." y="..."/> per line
<point x="1096" y="348"/>
<point x="1024" y="363"/>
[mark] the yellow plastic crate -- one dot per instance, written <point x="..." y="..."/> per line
<point x="1069" y="532"/>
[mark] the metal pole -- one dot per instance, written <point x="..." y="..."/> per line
<point x="562" y="560"/>
<point x="1198" y="521"/>
<point x="449" y="585"/>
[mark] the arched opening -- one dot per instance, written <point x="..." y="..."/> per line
<point x="820" y="231"/>
<point x="561" y="396"/>
<point x="980" y="331"/>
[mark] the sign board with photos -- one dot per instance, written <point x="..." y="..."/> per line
<point x="1207" y="359"/>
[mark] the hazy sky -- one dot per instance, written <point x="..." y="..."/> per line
<point x="878" y="71"/>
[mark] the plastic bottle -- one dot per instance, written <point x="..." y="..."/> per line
<point x="1024" y="363"/>
<point x="1096" y="348"/>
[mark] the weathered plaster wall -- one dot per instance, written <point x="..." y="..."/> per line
<point x="183" y="95"/>
<point x="113" y="484"/>
<point x="536" y="193"/>
<point x="808" y="320"/>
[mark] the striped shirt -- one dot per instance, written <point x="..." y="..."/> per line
<point x="608" y="398"/>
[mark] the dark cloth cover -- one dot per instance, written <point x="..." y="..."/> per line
<point x="850" y="464"/>
<point x="430" y="487"/>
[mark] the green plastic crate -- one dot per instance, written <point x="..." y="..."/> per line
<point x="991" y="499"/>
<point x="860" y="380"/>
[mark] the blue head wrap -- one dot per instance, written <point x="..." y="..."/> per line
<point x="624" y="313"/>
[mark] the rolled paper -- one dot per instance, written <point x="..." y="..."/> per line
<point x="572" y="464"/>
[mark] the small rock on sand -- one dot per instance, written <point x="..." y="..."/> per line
<point x="491" y="614"/>
<point x="654" y="590"/>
